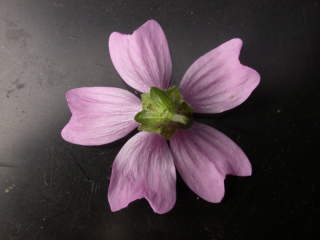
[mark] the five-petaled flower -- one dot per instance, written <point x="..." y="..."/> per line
<point x="146" y="165"/>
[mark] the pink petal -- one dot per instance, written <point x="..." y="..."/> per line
<point x="204" y="156"/>
<point x="142" y="59"/>
<point x="100" y="115"/>
<point x="143" y="168"/>
<point x="217" y="81"/>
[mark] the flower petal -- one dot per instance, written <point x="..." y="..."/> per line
<point x="100" y="115"/>
<point x="217" y="81"/>
<point x="142" y="59"/>
<point x="143" y="168"/>
<point x="204" y="156"/>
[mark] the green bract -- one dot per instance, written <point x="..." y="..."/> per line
<point x="163" y="112"/>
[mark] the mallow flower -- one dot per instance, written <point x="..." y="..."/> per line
<point x="169" y="139"/>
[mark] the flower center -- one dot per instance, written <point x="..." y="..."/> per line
<point x="163" y="112"/>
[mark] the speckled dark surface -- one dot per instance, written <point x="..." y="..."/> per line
<point x="50" y="189"/>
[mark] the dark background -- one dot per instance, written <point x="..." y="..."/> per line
<point x="50" y="189"/>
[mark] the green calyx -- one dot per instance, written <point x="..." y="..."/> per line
<point x="163" y="112"/>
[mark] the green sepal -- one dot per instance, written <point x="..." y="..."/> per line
<point x="152" y="117"/>
<point x="164" y="112"/>
<point x="161" y="99"/>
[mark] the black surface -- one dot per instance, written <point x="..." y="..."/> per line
<point x="50" y="189"/>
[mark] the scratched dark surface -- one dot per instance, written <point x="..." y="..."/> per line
<point x="50" y="189"/>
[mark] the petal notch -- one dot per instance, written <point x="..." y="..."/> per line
<point x="217" y="81"/>
<point x="204" y="156"/>
<point x="100" y="115"/>
<point x="142" y="59"/>
<point x="143" y="168"/>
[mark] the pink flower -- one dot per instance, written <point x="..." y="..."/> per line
<point x="146" y="165"/>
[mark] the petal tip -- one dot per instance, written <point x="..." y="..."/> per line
<point x="116" y="204"/>
<point x="257" y="77"/>
<point x="115" y="34"/>
<point x="114" y="39"/>
<point x="162" y="209"/>
<point x="248" y="171"/>
<point x="63" y="134"/>
<point x="72" y="93"/>
<point x="254" y="77"/>
<point x="160" y="212"/>
<point x="234" y="44"/>
<point x="66" y="136"/>
<point x="68" y="94"/>
<point x="236" y="41"/>
<point x="217" y="197"/>
<point x="151" y="21"/>
<point x="114" y="207"/>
